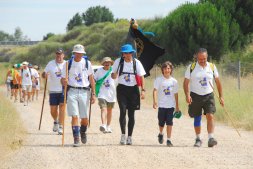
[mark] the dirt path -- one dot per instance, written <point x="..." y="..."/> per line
<point x="42" y="149"/>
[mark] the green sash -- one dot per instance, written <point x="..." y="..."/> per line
<point x="101" y="81"/>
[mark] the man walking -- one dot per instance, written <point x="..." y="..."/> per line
<point x="199" y="95"/>
<point x="80" y="78"/>
<point x="53" y="72"/>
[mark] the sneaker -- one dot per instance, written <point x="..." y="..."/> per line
<point x="169" y="144"/>
<point x="102" y="128"/>
<point x="198" y="143"/>
<point x="212" y="142"/>
<point x="108" y="130"/>
<point x="56" y="126"/>
<point x="83" y="138"/>
<point x="76" y="142"/>
<point x="60" y="130"/>
<point x="160" y="138"/>
<point x="129" y="140"/>
<point x="123" y="139"/>
<point x="21" y="101"/>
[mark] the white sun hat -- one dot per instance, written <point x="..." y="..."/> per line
<point x="79" y="49"/>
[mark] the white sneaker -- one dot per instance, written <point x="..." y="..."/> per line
<point x="108" y="129"/>
<point x="102" y="128"/>
<point x="123" y="139"/>
<point x="60" y="130"/>
<point x="129" y="140"/>
<point x="56" y="127"/>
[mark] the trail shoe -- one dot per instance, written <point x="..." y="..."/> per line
<point x="169" y="144"/>
<point x="83" y="137"/>
<point x="56" y="126"/>
<point x="198" y="143"/>
<point x="129" y="140"/>
<point x="60" y="130"/>
<point x="160" y="138"/>
<point x="108" y="130"/>
<point x="123" y="139"/>
<point x="102" y="128"/>
<point x="212" y="142"/>
<point x="76" y="142"/>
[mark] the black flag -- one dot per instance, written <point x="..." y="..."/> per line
<point x="147" y="51"/>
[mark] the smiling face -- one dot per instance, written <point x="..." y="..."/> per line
<point x="107" y="65"/>
<point x="202" y="58"/>
<point x="128" y="56"/>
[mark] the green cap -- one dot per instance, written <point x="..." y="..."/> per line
<point x="18" y="65"/>
<point x="177" y="114"/>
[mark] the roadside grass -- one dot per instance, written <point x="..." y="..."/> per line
<point x="238" y="103"/>
<point x="11" y="130"/>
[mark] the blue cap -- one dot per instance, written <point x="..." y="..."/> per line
<point x="127" y="48"/>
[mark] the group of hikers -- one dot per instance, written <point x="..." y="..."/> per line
<point x="23" y="80"/>
<point x="123" y="81"/>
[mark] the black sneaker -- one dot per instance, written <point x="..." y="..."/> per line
<point x="169" y="144"/>
<point x="83" y="137"/>
<point x="160" y="138"/>
<point x="212" y="142"/>
<point x="76" y="142"/>
<point x="198" y="143"/>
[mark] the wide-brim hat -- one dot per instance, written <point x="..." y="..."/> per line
<point x="79" y="49"/>
<point x="36" y="67"/>
<point x="25" y="63"/>
<point x="127" y="48"/>
<point x="106" y="59"/>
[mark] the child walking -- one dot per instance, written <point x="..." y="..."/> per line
<point x="166" y="93"/>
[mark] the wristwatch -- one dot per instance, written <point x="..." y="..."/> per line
<point x="143" y="90"/>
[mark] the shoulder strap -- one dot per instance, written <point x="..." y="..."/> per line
<point x="71" y="60"/>
<point x="134" y="65"/>
<point x="212" y="66"/>
<point x="121" y="65"/>
<point x="193" y="65"/>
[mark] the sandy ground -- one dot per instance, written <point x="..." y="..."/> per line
<point x="42" y="149"/>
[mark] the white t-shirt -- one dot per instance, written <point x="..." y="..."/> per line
<point x="166" y="90"/>
<point x="128" y="79"/>
<point x="78" y="74"/>
<point x="26" y="76"/>
<point x="200" y="78"/>
<point x="108" y="88"/>
<point x="55" y="74"/>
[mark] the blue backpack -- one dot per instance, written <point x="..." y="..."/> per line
<point x="71" y="60"/>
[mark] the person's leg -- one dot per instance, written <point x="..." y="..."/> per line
<point x="210" y="129"/>
<point x="131" y="121"/>
<point x="109" y="115"/>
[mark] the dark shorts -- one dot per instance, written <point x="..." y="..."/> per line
<point x="165" y="115"/>
<point x="55" y="99"/>
<point x="206" y="102"/>
<point x="15" y="86"/>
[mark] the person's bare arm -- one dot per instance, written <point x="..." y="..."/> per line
<point x="219" y="88"/>
<point x="187" y="91"/>
<point x="92" y="83"/>
<point x="155" y="99"/>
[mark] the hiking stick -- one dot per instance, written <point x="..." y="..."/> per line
<point x="90" y="109"/>
<point x="225" y="110"/>
<point x="64" y="109"/>
<point x="42" y="108"/>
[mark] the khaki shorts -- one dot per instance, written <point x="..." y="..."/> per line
<point x="104" y="104"/>
<point x="27" y="88"/>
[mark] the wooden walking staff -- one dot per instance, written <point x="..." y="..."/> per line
<point x="45" y="89"/>
<point x="225" y="110"/>
<point x="64" y="108"/>
<point x="90" y="109"/>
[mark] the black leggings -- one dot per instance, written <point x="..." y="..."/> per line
<point x="128" y="99"/>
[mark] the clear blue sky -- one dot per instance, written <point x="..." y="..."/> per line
<point x="36" y="18"/>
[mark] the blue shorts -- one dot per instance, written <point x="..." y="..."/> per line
<point x="56" y="98"/>
<point x="165" y="115"/>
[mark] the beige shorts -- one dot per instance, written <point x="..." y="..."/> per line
<point x="27" y="88"/>
<point x="104" y="104"/>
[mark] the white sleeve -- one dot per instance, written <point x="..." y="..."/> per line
<point x="216" y="74"/>
<point x="47" y="68"/>
<point x="90" y="69"/>
<point x="156" y="83"/>
<point x="140" y="69"/>
<point x="175" y="86"/>
<point x="115" y="65"/>
<point x="187" y="74"/>
<point x="64" y="70"/>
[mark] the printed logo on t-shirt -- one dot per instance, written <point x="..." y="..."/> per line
<point x="26" y="75"/>
<point x="58" y="74"/>
<point x="127" y="78"/>
<point x="106" y="83"/>
<point x="203" y="82"/>
<point x="78" y="78"/>
<point x="167" y="91"/>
